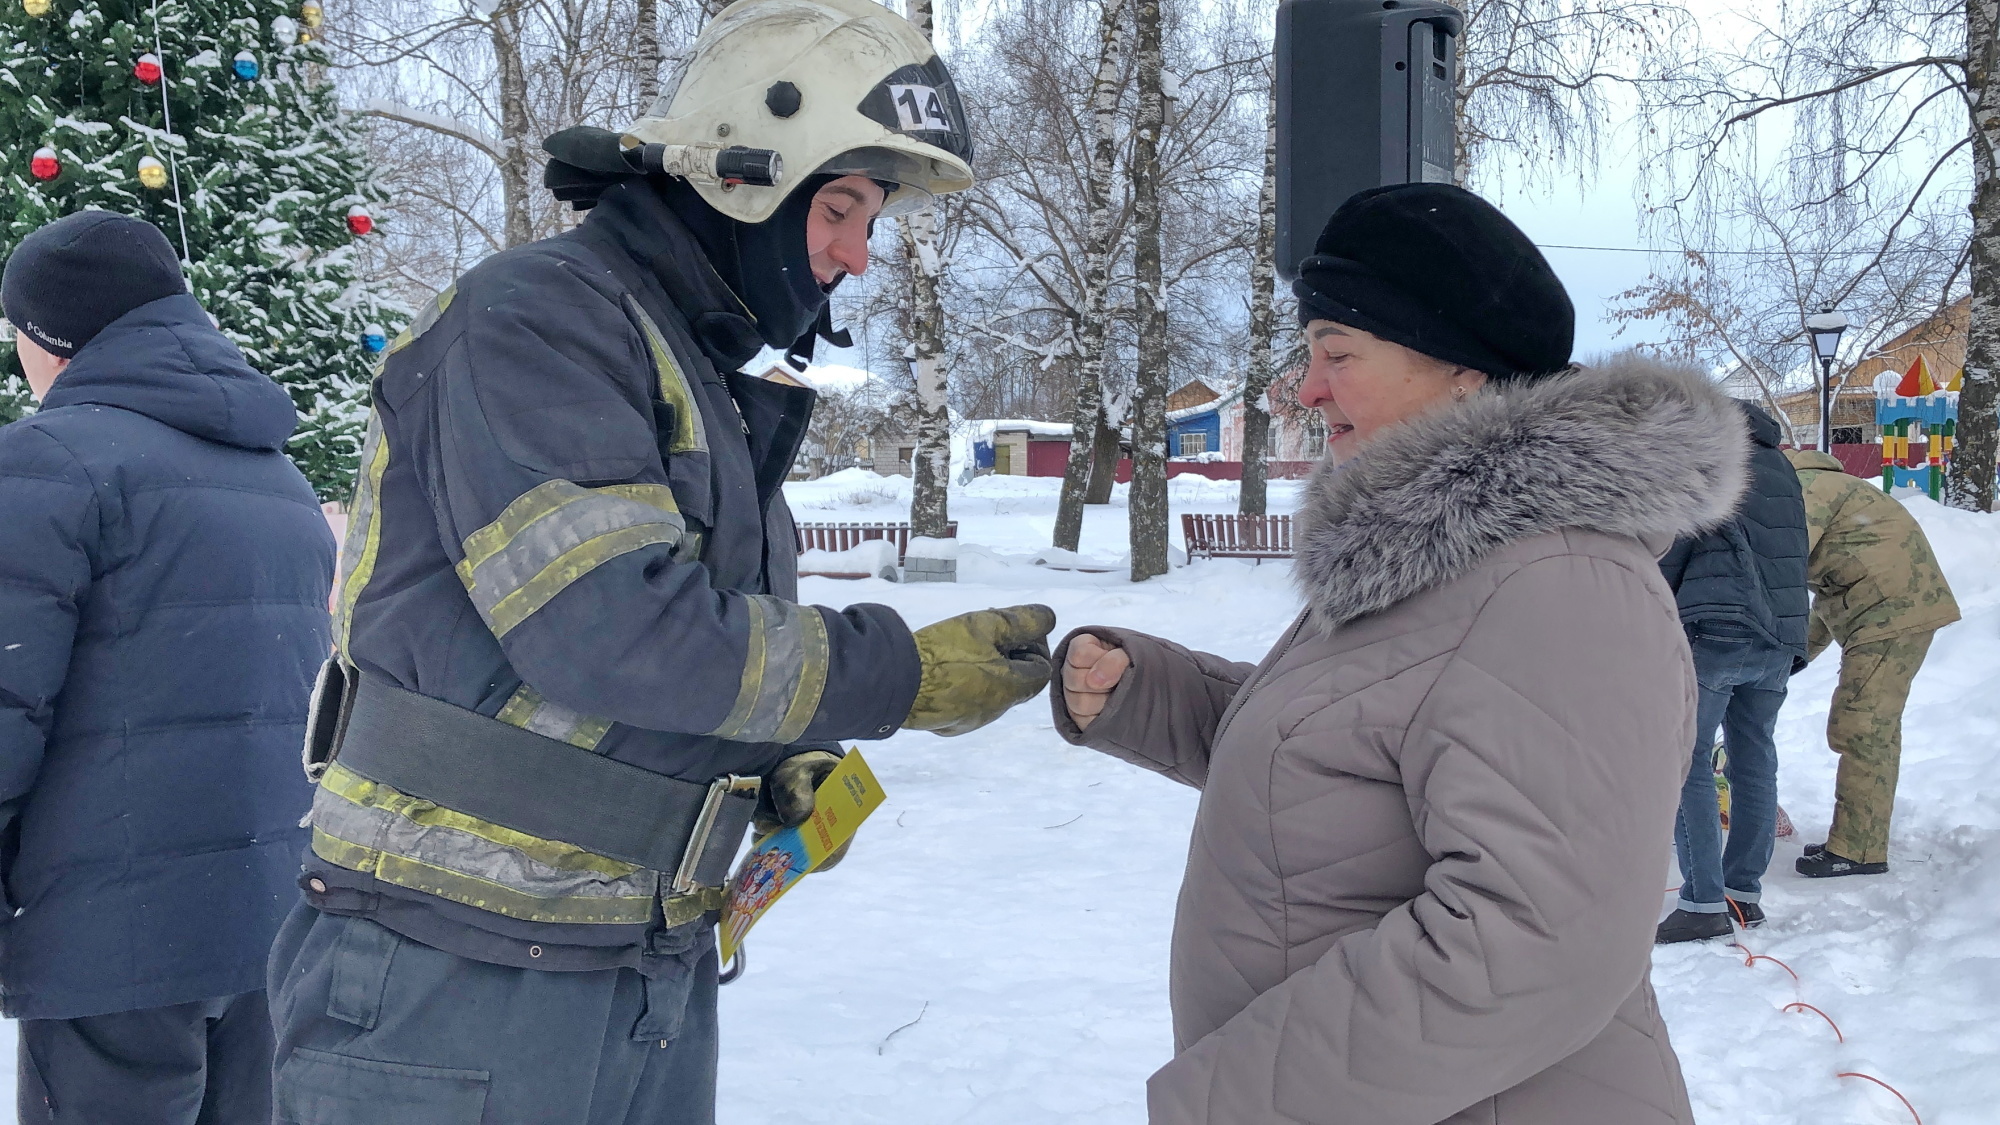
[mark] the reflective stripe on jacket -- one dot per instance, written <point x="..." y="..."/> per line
<point x="568" y="519"/>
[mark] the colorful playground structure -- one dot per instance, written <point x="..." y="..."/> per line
<point x="1916" y="407"/>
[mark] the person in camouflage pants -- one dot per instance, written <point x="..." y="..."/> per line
<point x="1878" y="592"/>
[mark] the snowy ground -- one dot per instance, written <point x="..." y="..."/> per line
<point x="995" y="948"/>
<point x="1013" y="897"/>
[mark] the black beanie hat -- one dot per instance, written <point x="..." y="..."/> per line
<point x="1440" y="271"/>
<point x="68" y="280"/>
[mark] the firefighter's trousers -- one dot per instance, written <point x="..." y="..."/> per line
<point x="376" y="1029"/>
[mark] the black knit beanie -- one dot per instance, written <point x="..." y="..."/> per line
<point x="1440" y="271"/>
<point x="67" y="281"/>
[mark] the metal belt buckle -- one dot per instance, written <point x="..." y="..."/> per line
<point x="685" y="882"/>
<point x="326" y="716"/>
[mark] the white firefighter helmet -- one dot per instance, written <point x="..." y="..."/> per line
<point x="834" y="87"/>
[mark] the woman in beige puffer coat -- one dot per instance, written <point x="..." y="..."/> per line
<point x="1426" y="869"/>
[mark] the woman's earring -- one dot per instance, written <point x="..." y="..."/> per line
<point x="1458" y="393"/>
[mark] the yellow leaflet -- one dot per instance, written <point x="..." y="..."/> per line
<point x="784" y="857"/>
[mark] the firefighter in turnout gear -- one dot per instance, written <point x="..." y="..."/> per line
<point x="568" y="641"/>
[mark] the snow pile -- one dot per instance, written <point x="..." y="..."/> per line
<point x="926" y="548"/>
<point x="873" y="557"/>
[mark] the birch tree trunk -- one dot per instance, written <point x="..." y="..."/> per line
<point x="930" y="496"/>
<point x="1969" y="482"/>
<point x="651" y="54"/>
<point x="517" y="161"/>
<point x="1256" y="420"/>
<point x="1147" y="500"/>
<point x="1103" y="460"/>
<point x="1090" y="335"/>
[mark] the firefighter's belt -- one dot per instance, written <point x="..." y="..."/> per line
<point x="521" y="780"/>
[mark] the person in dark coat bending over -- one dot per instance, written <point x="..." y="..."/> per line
<point x="1741" y="589"/>
<point x="164" y="572"/>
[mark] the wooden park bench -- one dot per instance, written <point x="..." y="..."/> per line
<point x="1237" y="537"/>
<point x="847" y="536"/>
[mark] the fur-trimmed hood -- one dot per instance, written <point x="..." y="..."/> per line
<point x="1632" y="447"/>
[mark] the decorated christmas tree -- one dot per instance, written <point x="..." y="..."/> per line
<point x="213" y="119"/>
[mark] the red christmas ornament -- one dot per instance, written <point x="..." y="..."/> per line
<point x="147" y="69"/>
<point x="45" y="165"/>
<point x="359" y="220"/>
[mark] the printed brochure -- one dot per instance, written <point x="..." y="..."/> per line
<point x="782" y="858"/>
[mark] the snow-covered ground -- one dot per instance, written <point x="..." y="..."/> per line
<point x="1013" y="897"/>
<point x="995" y="948"/>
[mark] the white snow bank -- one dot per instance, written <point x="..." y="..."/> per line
<point x="873" y="557"/>
<point x="924" y="547"/>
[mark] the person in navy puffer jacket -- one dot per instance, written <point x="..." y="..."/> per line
<point x="164" y="573"/>
<point x="1741" y="590"/>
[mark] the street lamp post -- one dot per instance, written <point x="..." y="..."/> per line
<point x="1825" y="328"/>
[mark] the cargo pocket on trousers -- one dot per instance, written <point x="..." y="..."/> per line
<point x="361" y="962"/>
<point x="322" y="1088"/>
<point x="666" y="1004"/>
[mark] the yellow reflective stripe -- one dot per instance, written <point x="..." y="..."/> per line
<point x="364" y="531"/>
<point x="554" y="534"/>
<point x="518" y="606"/>
<point x="751" y="687"/>
<point x="681" y="909"/>
<point x="422" y="324"/>
<point x="690" y="433"/>
<point x="784" y="672"/>
<point x="520" y="706"/>
<point x="544" y="500"/>
<point x="365" y="826"/>
<point x="530" y="710"/>
<point x="812" y="677"/>
<point x="355" y="789"/>
<point x="456" y="886"/>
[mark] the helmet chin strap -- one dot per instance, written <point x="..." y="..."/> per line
<point x="800" y="355"/>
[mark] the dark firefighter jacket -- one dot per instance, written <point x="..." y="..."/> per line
<point x="1751" y="571"/>
<point x="164" y="572"/>
<point x="570" y="519"/>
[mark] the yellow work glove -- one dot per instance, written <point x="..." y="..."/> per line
<point x="786" y="800"/>
<point x="978" y="665"/>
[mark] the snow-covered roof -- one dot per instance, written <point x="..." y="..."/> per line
<point x="819" y="376"/>
<point x="983" y="429"/>
<point x="1229" y="396"/>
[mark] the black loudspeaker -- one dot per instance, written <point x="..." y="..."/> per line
<point x="1366" y="93"/>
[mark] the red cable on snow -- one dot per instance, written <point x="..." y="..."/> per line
<point x="1885" y="1086"/>
<point x="1750" y="958"/>
<point x="1800" y="1005"/>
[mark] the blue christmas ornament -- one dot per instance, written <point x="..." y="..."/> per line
<point x="246" y="66"/>
<point x="374" y="338"/>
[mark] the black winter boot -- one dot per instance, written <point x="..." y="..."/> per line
<point x="1686" y="925"/>
<point x="1823" y="864"/>
<point x="1749" y="915"/>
